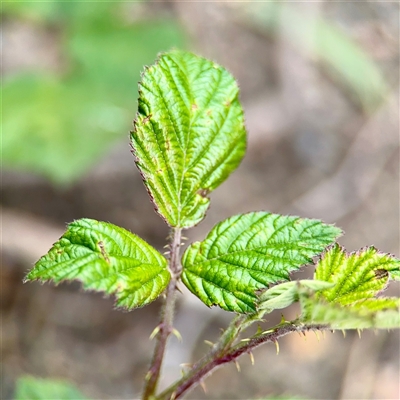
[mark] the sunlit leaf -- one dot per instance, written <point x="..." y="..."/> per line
<point x="351" y="302"/>
<point x="248" y="252"/>
<point x="105" y="258"/>
<point x="189" y="134"/>
<point x="356" y="276"/>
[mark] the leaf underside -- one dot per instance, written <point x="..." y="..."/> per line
<point x="188" y="134"/>
<point x="352" y="302"/>
<point x="105" y="258"/>
<point x="287" y="293"/>
<point x="248" y="252"/>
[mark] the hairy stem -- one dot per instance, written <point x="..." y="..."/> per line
<point x="165" y="328"/>
<point x="217" y="351"/>
<point x="217" y="358"/>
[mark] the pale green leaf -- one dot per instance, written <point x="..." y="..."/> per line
<point x="189" y="134"/>
<point x="105" y="258"/>
<point x="374" y="313"/>
<point x="247" y="252"/>
<point x="283" y="295"/>
<point x="357" y="276"/>
<point x="30" y="388"/>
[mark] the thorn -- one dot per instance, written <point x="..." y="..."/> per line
<point x="359" y="333"/>
<point x="178" y="289"/>
<point x="154" y="333"/>
<point x="176" y="333"/>
<point x="203" y="386"/>
<point x="246" y="340"/>
<point x="166" y="246"/>
<point x="173" y="396"/>
<point x="317" y="335"/>
<point x="259" y="330"/>
<point x="283" y="320"/>
<point x="211" y="344"/>
<point x="237" y="365"/>
<point x="148" y="375"/>
<point x="277" y="346"/>
<point x="183" y="366"/>
<point x="323" y="334"/>
<point x="251" y="358"/>
<point x="184" y="238"/>
<point x="344" y="333"/>
<point x="267" y="331"/>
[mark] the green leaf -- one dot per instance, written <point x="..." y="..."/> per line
<point x="30" y="388"/>
<point x="188" y="135"/>
<point x="247" y="252"/>
<point x="356" y="276"/>
<point x="375" y="313"/>
<point x="351" y="302"/>
<point x="283" y="295"/>
<point x="106" y="258"/>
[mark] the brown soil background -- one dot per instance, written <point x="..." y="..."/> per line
<point x="312" y="152"/>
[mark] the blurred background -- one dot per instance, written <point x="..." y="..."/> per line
<point x="320" y="88"/>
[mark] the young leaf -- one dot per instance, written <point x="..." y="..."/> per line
<point x="357" y="276"/>
<point x="374" y="313"/>
<point x="248" y="252"/>
<point x="283" y="295"/>
<point x="351" y="303"/>
<point x="188" y="134"/>
<point x="106" y="258"/>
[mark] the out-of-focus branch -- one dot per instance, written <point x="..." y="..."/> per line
<point x="343" y="192"/>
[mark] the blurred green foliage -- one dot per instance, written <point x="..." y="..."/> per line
<point x="30" y="388"/>
<point x="344" y="59"/>
<point x="59" y="124"/>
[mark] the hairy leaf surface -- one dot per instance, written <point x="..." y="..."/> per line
<point x="248" y="252"/>
<point x="351" y="302"/>
<point x="188" y="135"/>
<point x="356" y="276"/>
<point x="106" y="258"/>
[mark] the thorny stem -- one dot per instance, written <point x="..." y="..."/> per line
<point x="165" y="328"/>
<point x="215" y="359"/>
